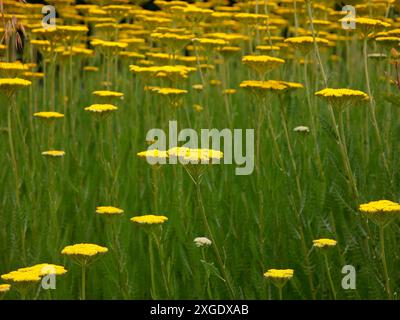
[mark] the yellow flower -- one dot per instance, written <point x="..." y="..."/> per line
<point x="10" y="85"/>
<point x="286" y="274"/>
<point x="381" y="212"/>
<point x="107" y="94"/>
<point x="109" y="211"/>
<point x="153" y="155"/>
<point x="84" y="250"/>
<point x="48" y="115"/>
<point x="366" y="25"/>
<point x="341" y="97"/>
<point x="324" y="243"/>
<point x="195" y="156"/>
<point x="229" y="91"/>
<point x="21" y="277"/>
<point x="43" y="269"/>
<point x="12" y="69"/>
<point x="33" y="75"/>
<point x="262" y="63"/>
<point x="388" y="41"/>
<point x="4" y="288"/>
<point x="305" y="43"/>
<point x="101" y="108"/>
<point x="53" y="153"/>
<point x="149" y="219"/>
<point x="91" y="69"/>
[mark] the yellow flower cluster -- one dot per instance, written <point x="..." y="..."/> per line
<point x="53" y="153"/>
<point x="33" y="273"/>
<point x="101" y="108"/>
<point x="324" y="243"/>
<point x="83" y="249"/>
<point x="48" y="115"/>
<point x="149" y="219"/>
<point x="285" y="274"/>
<point x="109" y="211"/>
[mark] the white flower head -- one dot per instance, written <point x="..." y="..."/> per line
<point x="302" y="129"/>
<point x="202" y="242"/>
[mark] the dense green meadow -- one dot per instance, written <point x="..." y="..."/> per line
<point x="305" y="185"/>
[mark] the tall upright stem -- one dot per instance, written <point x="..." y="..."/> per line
<point x="217" y="253"/>
<point x="384" y="264"/>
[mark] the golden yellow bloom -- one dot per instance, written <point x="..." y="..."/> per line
<point x="285" y="274"/>
<point x="84" y="250"/>
<point x="48" y="115"/>
<point x="12" y="69"/>
<point x="33" y="75"/>
<point x="10" y="85"/>
<point x="262" y="63"/>
<point x="91" y="69"/>
<point x="153" y="154"/>
<point x="366" y="25"/>
<point x="305" y="43"/>
<point x="381" y="212"/>
<point x="43" y="269"/>
<point x="53" y="153"/>
<point x="229" y="91"/>
<point x="195" y="156"/>
<point x="324" y="243"/>
<point x="108" y="94"/>
<point x="109" y="211"/>
<point x="4" y="288"/>
<point x="21" y="277"/>
<point x="342" y="97"/>
<point x="101" y="108"/>
<point x="149" y="219"/>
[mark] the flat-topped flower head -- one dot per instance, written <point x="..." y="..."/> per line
<point x="202" y="242"/>
<point x="305" y="43"/>
<point x="196" y="156"/>
<point x="324" y="243"/>
<point x="366" y="25"/>
<point x="173" y="95"/>
<point x="389" y="42"/>
<point x="302" y="129"/>
<point x="53" y="153"/>
<point x="279" y="277"/>
<point x="84" y="253"/>
<point x="195" y="161"/>
<point x="279" y="273"/>
<point x="90" y="69"/>
<point x="154" y="156"/>
<point x="262" y="64"/>
<point x="48" y="115"/>
<point x="109" y="211"/>
<point x="101" y="110"/>
<point x="10" y="85"/>
<point x="4" y="288"/>
<point x="382" y="212"/>
<point x="340" y="98"/>
<point x="33" y="75"/>
<point x="44" y="269"/>
<point x="260" y="88"/>
<point x="24" y="278"/>
<point x="149" y="219"/>
<point x="12" y="69"/>
<point x="108" y="94"/>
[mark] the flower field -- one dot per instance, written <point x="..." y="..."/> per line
<point x="92" y="208"/>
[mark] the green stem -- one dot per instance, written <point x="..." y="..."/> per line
<point x="209" y="231"/>
<point x="83" y="283"/>
<point x="373" y="109"/>
<point x="152" y="271"/>
<point x="12" y="150"/>
<point x="383" y="258"/>
<point x="328" y="271"/>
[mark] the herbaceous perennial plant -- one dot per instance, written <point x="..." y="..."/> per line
<point x="78" y="104"/>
